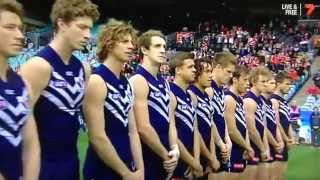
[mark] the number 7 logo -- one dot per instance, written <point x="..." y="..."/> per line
<point x="310" y="8"/>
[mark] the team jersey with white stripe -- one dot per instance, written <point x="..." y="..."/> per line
<point x="184" y="115"/>
<point x="269" y="116"/>
<point x="158" y="104"/>
<point x="58" y="107"/>
<point x="284" y="112"/>
<point x="158" y="111"/>
<point x="218" y="105"/>
<point x="239" y="113"/>
<point x="118" y="103"/>
<point x="237" y="163"/>
<point x="204" y="111"/>
<point x="259" y="112"/>
<point x="14" y="111"/>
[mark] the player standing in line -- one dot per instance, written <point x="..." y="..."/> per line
<point x="182" y="66"/>
<point x="204" y="111"/>
<point x="19" y="143"/>
<point x="58" y="81"/>
<point x="153" y="114"/>
<point x="236" y="123"/>
<point x="115" y="150"/>
<point x="256" y="128"/>
<point x="273" y="133"/>
<point x="223" y="66"/>
<point x="281" y="108"/>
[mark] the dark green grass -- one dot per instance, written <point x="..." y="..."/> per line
<point x="304" y="161"/>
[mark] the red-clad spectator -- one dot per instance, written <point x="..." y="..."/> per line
<point x="293" y="74"/>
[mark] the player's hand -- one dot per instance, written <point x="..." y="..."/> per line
<point x="174" y="151"/>
<point x="278" y="148"/>
<point x="224" y="152"/>
<point x="290" y="142"/>
<point x="140" y="173"/>
<point x="198" y="174"/>
<point x="197" y="166"/>
<point x="281" y="143"/>
<point x="171" y="164"/>
<point x="197" y="171"/>
<point x="214" y="164"/>
<point x="264" y="156"/>
<point x="249" y="153"/>
<point x="137" y="175"/>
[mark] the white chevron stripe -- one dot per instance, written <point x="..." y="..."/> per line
<point x="204" y="117"/>
<point x="163" y="105"/>
<point x="206" y="108"/>
<point x="77" y="85"/>
<point x="241" y="115"/>
<point x="166" y="96"/>
<point x="188" y="114"/>
<point x="239" y="120"/>
<point x="124" y="99"/>
<point x="284" y="113"/>
<point x="217" y="109"/>
<point x="180" y="101"/>
<point x="271" y="118"/>
<point x="240" y="112"/>
<point x="112" y="88"/>
<point x="159" y="110"/>
<point x="119" y="106"/>
<point x="201" y="100"/>
<point x="15" y="141"/>
<point x="64" y="94"/>
<point x="116" y="114"/>
<point x="10" y="122"/>
<point x="260" y="120"/>
<point x="20" y="108"/>
<point x="184" y="119"/>
<point x="204" y="113"/>
<point x="58" y="103"/>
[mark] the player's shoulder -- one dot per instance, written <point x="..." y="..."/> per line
<point x="138" y="81"/>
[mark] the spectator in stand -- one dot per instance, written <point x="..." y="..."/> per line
<point x="294" y="118"/>
<point x="315" y="127"/>
<point x="293" y="74"/>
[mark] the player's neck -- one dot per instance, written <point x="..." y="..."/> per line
<point x="201" y="88"/>
<point x="234" y="90"/>
<point x="266" y="95"/>
<point x="62" y="49"/>
<point x="3" y="68"/>
<point x="255" y="91"/>
<point x="181" y="83"/>
<point x="115" y="65"/>
<point x="152" y="68"/>
<point x="216" y="81"/>
<point x="277" y="92"/>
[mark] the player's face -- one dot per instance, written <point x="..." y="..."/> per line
<point x="123" y="50"/>
<point x="187" y="70"/>
<point x="205" y="78"/>
<point x="157" y="50"/>
<point x="243" y="83"/>
<point x="226" y="74"/>
<point x="261" y="83"/>
<point x="284" y="87"/>
<point x="11" y="34"/>
<point x="270" y="86"/>
<point x="77" y="32"/>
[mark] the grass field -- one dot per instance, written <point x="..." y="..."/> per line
<point x="304" y="162"/>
